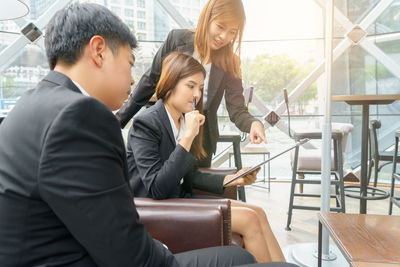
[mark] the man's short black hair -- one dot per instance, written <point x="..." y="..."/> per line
<point x="70" y="30"/>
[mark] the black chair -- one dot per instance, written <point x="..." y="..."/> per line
<point x="376" y="157"/>
<point x="235" y="138"/>
<point x="395" y="176"/>
<point x="372" y="193"/>
<point x="300" y="168"/>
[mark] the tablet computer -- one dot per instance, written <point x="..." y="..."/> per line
<point x="302" y="141"/>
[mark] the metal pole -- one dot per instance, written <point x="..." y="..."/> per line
<point x="327" y="128"/>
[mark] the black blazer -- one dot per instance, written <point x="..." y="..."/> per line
<point x="64" y="196"/>
<point x="157" y="164"/>
<point x="220" y="82"/>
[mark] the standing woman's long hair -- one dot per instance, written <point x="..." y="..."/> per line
<point x="229" y="11"/>
<point x="177" y="66"/>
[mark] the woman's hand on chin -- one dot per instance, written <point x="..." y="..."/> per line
<point x="193" y="121"/>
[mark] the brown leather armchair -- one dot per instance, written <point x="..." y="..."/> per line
<point x="187" y="224"/>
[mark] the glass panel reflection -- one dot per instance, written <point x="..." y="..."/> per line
<point x="388" y="21"/>
<point x="356" y="10"/>
<point x="23" y="73"/>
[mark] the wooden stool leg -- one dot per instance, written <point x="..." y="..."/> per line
<point x="301" y="176"/>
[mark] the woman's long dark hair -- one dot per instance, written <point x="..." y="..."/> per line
<point x="177" y="66"/>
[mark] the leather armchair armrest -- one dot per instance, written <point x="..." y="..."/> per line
<point x="229" y="192"/>
<point x="187" y="224"/>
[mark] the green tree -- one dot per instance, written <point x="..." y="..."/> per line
<point x="9" y="88"/>
<point x="269" y="74"/>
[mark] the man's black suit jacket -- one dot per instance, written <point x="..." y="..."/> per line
<point x="64" y="196"/>
<point x="157" y="164"/>
<point x="220" y="82"/>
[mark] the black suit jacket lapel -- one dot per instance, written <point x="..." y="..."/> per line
<point x="216" y="76"/>
<point x="165" y="120"/>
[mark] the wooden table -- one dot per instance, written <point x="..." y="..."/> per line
<point x="364" y="240"/>
<point x="372" y="264"/>
<point x="365" y="101"/>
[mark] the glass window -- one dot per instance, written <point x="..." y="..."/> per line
<point x="129" y="2"/>
<point x="141" y="25"/>
<point x="141" y="14"/>
<point x="9" y="26"/>
<point x="22" y="73"/>
<point x="186" y="11"/>
<point x="130" y="23"/>
<point x="129" y="12"/>
<point x="141" y="36"/>
<point x="38" y="7"/>
<point x="116" y="10"/>
<point x="116" y="1"/>
<point x="141" y="3"/>
<point x="195" y="12"/>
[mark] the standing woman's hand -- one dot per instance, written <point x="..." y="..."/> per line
<point x="257" y="133"/>
<point x="193" y="121"/>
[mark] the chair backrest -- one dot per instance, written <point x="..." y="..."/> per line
<point x="373" y="137"/>
<point x="346" y="129"/>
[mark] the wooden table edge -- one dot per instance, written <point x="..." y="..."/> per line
<point x="335" y="238"/>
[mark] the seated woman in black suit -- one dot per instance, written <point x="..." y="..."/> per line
<point x="165" y="143"/>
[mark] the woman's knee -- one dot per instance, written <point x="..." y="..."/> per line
<point x="259" y="210"/>
<point x="246" y="220"/>
<point x="260" y="213"/>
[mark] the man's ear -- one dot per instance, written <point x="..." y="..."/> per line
<point x="97" y="47"/>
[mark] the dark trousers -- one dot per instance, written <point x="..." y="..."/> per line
<point x="226" y="256"/>
<point x="223" y="257"/>
<point x="270" y="264"/>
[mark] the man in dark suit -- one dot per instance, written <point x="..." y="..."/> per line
<point x="64" y="196"/>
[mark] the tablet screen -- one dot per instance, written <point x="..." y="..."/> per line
<point x="302" y="141"/>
